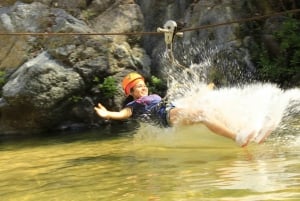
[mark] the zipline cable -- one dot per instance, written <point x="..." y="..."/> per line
<point x="75" y="33"/>
<point x="241" y="20"/>
<point x="146" y="33"/>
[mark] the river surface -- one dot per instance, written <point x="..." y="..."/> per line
<point x="189" y="164"/>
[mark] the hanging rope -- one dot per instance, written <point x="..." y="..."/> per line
<point x="149" y="33"/>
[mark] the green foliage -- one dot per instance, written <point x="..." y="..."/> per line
<point x="75" y="99"/>
<point x="109" y="87"/>
<point x="156" y="85"/>
<point x="96" y="79"/>
<point x="284" y="69"/>
<point x="88" y="14"/>
<point x="156" y="81"/>
<point x="2" y="78"/>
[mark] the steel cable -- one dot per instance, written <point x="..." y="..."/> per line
<point x="146" y="33"/>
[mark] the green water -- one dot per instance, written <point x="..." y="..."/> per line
<point x="116" y="164"/>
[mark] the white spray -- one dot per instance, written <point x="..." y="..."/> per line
<point x="256" y="109"/>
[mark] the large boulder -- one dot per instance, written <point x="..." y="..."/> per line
<point x="36" y="95"/>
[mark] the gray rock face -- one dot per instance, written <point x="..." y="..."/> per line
<point x="41" y="82"/>
<point x="36" y="93"/>
<point x="50" y="76"/>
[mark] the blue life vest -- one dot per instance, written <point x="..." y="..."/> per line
<point x="150" y="109"/>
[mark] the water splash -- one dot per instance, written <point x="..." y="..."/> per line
<point x="253" y="108"/>
<point x="259" y="108"/>
<point x="244" y="107"/>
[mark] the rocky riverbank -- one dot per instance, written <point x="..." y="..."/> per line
<point x="52" y="81"/>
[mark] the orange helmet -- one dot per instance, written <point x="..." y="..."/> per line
<point x="129" y="81"/>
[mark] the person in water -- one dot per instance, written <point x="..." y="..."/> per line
<point x="153" y="109"/>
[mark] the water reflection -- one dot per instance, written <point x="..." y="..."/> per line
<point x="258" y="175"/>
<point x="184" y="164"/>
<point x="220" y="167"/>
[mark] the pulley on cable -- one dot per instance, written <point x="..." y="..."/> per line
<point x="170" y="31"/>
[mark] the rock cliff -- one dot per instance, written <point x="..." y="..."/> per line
<point x="52" y="81"/>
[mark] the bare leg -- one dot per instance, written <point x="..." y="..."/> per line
<point x="219" y="129"/>
<point x="180" y="116"/>
<point x="266" y="135"/>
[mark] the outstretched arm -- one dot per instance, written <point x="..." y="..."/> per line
<point x="106" y="114"/>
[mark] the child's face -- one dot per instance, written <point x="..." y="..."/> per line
<point x="139" y="90"/>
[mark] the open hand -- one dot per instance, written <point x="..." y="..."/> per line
<point x="101" y="111"/>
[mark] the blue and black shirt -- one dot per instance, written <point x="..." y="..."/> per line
<point x="151" y="109"/>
